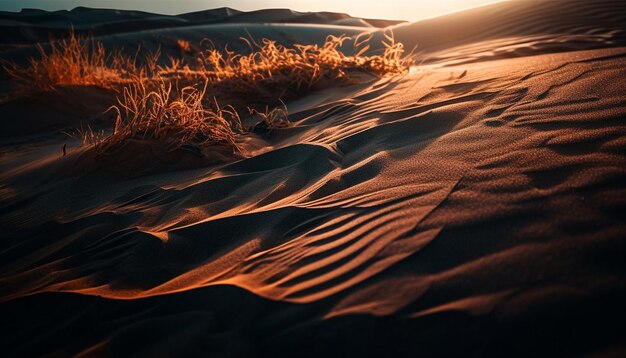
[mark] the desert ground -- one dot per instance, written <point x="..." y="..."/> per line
<point x="471" y="203"/>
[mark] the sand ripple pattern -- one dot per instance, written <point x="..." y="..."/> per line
<point x="473" y="205"/>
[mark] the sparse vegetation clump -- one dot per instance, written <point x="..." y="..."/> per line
<point x="176" y="103"/>
<point x="273" y="68"/>
<point x="172" y="115"/>
<point x="269" y="120"/>
<point x="73" y="61"/>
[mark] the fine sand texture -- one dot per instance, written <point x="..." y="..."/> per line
<point x="474" y="206"/>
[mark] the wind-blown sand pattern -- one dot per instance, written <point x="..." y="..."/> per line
<point x="474" y="206"/>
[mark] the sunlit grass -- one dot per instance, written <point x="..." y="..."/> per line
<point x="269" y="120"/>
<point x="73" y="61"/>
<point x="274" y="67"/>
<point x="174" y="116"/>
<point x="184" y="101"/>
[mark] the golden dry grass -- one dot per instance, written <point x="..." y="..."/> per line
<point x="272" y="71"/>
<point x="269" y="120"/>
<point x="184" y="46"/>
<point x="172" y="115"/>
<point x="170" y="103"/>
<point x="73" y="61"/>
<point x="77" y="60"/>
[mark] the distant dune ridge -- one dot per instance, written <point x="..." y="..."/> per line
<point x="40" y="24"/>
<point x="473" y="206"/>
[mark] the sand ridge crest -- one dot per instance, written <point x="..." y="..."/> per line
<point x="472" y="205"/>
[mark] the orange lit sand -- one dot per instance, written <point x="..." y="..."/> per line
<point x="474" y="206"/>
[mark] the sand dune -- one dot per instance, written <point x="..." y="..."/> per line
<point x="37" y="25"/>
<point x="474" y="206"/>
<point x="518" y="28"/>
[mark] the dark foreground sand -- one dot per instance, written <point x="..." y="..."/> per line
<point x="473" y="207"/>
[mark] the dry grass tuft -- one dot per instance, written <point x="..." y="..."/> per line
<point x="184" y="46"/>
<point x="271" y="69"/>
<point x="91" y="137"/>
<point x="152" y="105"/>
<point x="72" y="61"/>
<point x="269" y="120"/>
<point x="172" y="115"/>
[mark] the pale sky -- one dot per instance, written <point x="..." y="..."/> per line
<point x="410" y="10"/>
